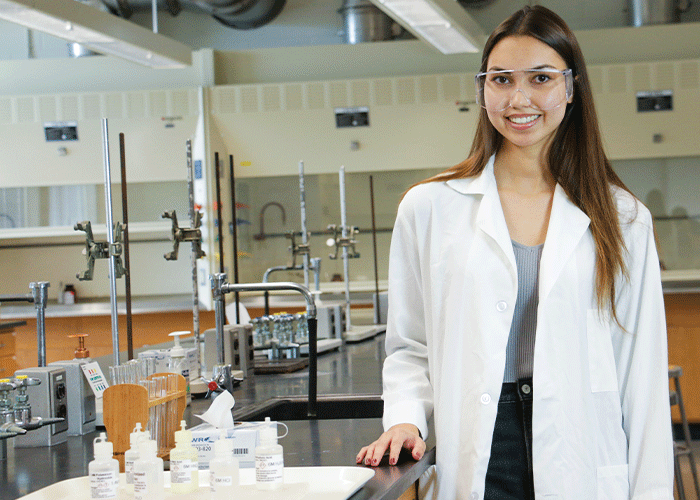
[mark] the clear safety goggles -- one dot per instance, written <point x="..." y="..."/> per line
<point x="544" y="89"/>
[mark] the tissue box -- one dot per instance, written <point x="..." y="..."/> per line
<point x="245" y="439"/>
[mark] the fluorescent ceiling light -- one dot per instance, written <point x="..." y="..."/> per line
<point x="97" y="30"/>
<point x="444" y="24"/>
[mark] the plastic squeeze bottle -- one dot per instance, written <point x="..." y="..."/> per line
<point x="184" y="463"/>
<point x="223" y="470"/>
<point x="178" y="360"/>
<point x="148" y="473"/>
<point x="269" y="459"/>
<point x="132" y="455"/>
<point x="104" y="470"/>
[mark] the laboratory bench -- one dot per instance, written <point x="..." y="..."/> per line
<point x="354" y="369"/>
<point x="153" y="318"/>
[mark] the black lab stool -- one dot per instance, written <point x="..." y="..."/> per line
<point x="683" y="447"/>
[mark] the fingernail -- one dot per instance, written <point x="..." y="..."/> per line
<point x="375" y="461"/>
<point x="367" y="462"/>
<point x="392" y="461"/>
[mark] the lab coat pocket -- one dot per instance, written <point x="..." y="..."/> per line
<point x="601" y="361"/>
<point x="613" y="482"/>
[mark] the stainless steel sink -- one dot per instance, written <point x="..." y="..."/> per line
<point x="328" y="407"/>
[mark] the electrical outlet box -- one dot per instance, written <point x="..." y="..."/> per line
<point x="49" y="399"/>
<point x="81" y="399"/>
<point x="238" y="348"/>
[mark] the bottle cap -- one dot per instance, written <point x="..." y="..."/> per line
<point x="103" y="448"/>
<point x="177" y="351"/>
<point x="136" y="435"/>
<point x="183" y="436"/>
<point x="268" y="435"/>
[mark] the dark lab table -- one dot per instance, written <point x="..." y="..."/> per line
<point x="354" y="369"/>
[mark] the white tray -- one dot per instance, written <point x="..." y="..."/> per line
<point x="300" y="483"/>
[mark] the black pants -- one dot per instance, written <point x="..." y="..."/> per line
<point x="509" y="475"/>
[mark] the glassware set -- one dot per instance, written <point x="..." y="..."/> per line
<point x="284" y="328"/>
<point x="163" y="419"/>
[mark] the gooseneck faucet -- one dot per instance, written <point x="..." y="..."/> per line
<point x="219" y="287"/>
<point x="39" y="297"/>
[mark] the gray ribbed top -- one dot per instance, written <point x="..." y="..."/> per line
<point x="521" y="342"/>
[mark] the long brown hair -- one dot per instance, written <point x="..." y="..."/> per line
<point x="575" y="158"/>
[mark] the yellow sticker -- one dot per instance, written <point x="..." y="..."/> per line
<point x="245" y="164"/>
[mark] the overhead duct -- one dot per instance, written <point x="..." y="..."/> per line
<point x="645" y="12"/>
<point x="363" y="22"/>
<point x="237" y="14"/>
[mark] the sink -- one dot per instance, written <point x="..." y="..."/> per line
<point x="328" y="407"/>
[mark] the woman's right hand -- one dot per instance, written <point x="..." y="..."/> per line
<point x="397" y="437"/>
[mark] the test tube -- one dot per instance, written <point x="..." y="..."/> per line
<point x="161" y="416"/>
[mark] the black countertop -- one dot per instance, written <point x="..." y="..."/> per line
<point x="353" y="369"/>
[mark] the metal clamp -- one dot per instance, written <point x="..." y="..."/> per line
<point x="101" y="250"/>
<point x="344" y="242"/>
<point x="297" y="248"/>
<point x="178" y="234"/>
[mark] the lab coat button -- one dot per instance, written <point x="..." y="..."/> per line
<point x="485" y="399"/>
<point x="474" y="496"/>
<point x="501" y="305"/>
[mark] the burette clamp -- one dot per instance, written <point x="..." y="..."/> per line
<point x="101" y="250"/>
<point x="180" y="234"/>
<point x="339" y="241"/>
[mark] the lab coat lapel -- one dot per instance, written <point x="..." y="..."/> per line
<point x="567" y="225"/>
<point x="490" y="218"/>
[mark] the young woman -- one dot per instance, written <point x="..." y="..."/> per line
<point x="526" y="312"/>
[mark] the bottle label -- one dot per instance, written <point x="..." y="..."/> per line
<point x="269" y="469"/>
<point x="140" y="485"/>
<point x="104" y="484"/>
<point x="216" y="482"/>
<point x="181" y="471"/>
<point x="129" y="470"/>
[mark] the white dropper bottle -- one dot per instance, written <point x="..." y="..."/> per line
<point x="184" y="463"/>
<point x="178" y="360"/>
<point x="223" y="470"/>
<point x="149" y="483"/>
<point x="104" y="470"/>
<point x="269" y="459"/>
<point x="132" y="455"/>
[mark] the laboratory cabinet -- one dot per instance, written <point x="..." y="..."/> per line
<point x="8" y="360"/>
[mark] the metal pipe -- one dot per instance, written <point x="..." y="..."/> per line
<point x="127" y="261"/>
<point x="220" y="287"/>
<point x="346" y="256"/>
<point x="304" y="234"/>
<point x="270" y="270"/>
<point x="154" y="15"/>
<point x="219" y="218"/>
<point x="266" y="277"/>
<point x="234" y="218"/>
<point x="17" y="298"/>
<point x="110" y="239"/>
<point x="194" y="255"/>
<point x="40" y="296"/>
<point x="377" y="316"/>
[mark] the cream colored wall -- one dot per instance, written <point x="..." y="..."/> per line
<point x="405" y="133"/>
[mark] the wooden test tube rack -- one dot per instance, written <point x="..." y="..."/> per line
<point x="126" y="404"/>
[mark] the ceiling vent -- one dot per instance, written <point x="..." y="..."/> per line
<point x="237" y="14"/>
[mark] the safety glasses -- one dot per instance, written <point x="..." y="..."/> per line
<point x="543" y="89"/>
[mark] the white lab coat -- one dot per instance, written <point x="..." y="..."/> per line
<point x="601" y="415"/>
